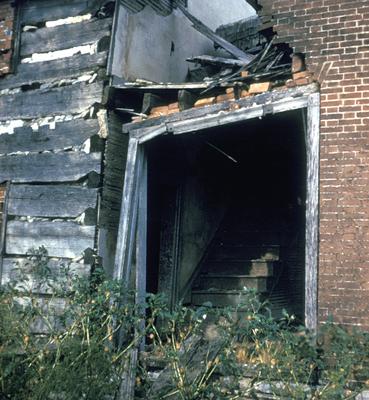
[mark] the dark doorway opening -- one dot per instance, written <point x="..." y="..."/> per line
<point x="226" y="210"/>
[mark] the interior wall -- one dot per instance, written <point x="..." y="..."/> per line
<point x="152" y="47"/>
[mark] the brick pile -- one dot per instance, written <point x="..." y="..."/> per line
<point x="6" y="35"/>
<point x="334" y="36"/>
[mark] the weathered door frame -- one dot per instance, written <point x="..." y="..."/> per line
<point x="133" y="218"/>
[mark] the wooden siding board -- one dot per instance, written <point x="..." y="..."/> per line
<point x="48" y="167"/>
<point x="35" y="11"/>
<point x="51" y="200"/>
<point x="61" y="238"/>
<point x="14" y="269"/>
<point x="70" y="67"/>
<point x="65" y="135"/>
<point x="67" y="36"/>
<point x="70" y="99"/>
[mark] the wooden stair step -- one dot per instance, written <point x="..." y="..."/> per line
<point x="252" y="268"/>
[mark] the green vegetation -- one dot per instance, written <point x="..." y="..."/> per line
<point x="208" y="353"/>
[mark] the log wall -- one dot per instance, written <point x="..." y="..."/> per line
<point x="50" y="148"/>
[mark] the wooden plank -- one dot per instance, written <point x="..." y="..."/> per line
<point x="48" y="167"/>
<point x="71" y="99"/>
<point x="61" y="37"/>
<point x="60" y="238"/>
<point x="219" y="61"/>
<point x="249" y="102"/>
<point x="127" y="214"/>
<point x="48" y="71"/>
<point x="141" y="245"/>
<point x="36" y="11"/>
<point x="4" y="221"/>
<point x="65" y="135"/>
<point x="229" y="47"/>
<point x="15" y="269"/>
<point x="312" y="213"/>
<point x="62" y="201"/>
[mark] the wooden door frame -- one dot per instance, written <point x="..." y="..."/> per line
<point x="133" y="218"/>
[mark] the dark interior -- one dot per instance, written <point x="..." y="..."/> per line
<point x="255" y="172"/>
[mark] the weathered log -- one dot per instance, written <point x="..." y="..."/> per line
<point x="50" y="201"/>
<point x="48" y="167"/>
<point x="36" y="11"/>
<point x="60" y="238"/>
<point x="64" y="36"/>
<point x="15" y="269"/>
<point x="69" y="67"/>
<point x="65" y="135"/>
<point x="38" y="103"/>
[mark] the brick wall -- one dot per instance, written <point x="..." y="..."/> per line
<point x="334" y="35"/>
<point x="6" y="35"/>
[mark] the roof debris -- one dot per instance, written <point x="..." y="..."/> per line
<point x="267" y="65"/>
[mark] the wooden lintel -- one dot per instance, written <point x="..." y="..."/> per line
<point x="247" y="102"/>
<point x="282" y="99"/>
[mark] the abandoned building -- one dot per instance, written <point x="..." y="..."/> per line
<point x="193" y="148"/>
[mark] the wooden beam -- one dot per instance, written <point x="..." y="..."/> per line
<point x="49" y="167"/>
<point x="64" y="36"/>
<point x="71" y="99"/>
<point x="312" y="213"/>
<point x="186" y="99"/>
<point x="59" y="201"/>
<point x="60" y="238"/>
<point x="3" y="225"/>
<point x="141" y="247"/>
<point x="65" y="135"/>
<point x="48" y="71"/>
<point x="229" y="47"/>
<point x="247" y="102"/>
<point x="36" y="11"/>
<point x="151" y="100"/>
<point x="127" y="211"/>
<point x="220" y="61"/>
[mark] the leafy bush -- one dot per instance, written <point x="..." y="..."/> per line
<point x="208" y="353"/>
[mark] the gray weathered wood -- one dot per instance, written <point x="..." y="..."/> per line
<point x="60" y="272"/>
<point x="217" y="61"/>
<point x="126" y="215"/>
<point x="51" y="201"/>
<point x="36" y="11"/>
<point x="65" y="135"/>
<point x="48" y="71"/>
<point x="127" y="384"/>
<point x="186" y="99"/>
<point x="64" y="36"/>
<point x="70" y="99"/>
<point x="141" y="244"/>
<point x="60" y="238"/>
<point x="247" y="102"/>
<point x="4" y="221"/>
<point x="312" y="213"/>
<point x="48" y="167"/>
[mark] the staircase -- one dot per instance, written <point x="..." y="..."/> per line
<point x="245" y="253"/>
